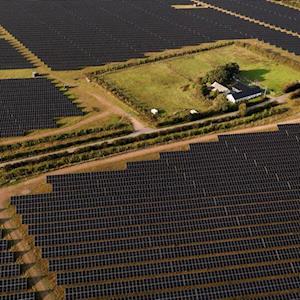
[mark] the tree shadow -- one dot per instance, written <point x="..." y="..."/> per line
<point x="255" y="74"/>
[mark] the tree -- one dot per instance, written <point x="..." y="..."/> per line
<point x="221" y="103"/>
<point x="242" y="109"/>
<point x="222" y="74"/>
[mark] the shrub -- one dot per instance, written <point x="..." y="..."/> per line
<point x="291" y="87"/>
<point x="242" y="109"/>
<point x="204" y="90"/>
<point x="295" y="94"/>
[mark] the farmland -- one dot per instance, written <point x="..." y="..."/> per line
<point x="170" y="85"/>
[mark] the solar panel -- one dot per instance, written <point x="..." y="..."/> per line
<point x="10" y="58"/>
<point x="29" y="104"/>
<point x="191" y="225"/>
<point x="71" y="34"/>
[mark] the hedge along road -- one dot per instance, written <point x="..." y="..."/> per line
<point x="134" y="134"/>
<point x="139" y="133"/>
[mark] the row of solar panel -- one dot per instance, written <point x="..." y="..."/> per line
<point x="129" y="289"/>
<point x="218" y="247"/>
<point x="10" y="58"/>
<point x="112" y="31"/>
<point x="116" y="242"/>
<point x="207" y="207"/>
<point x="165" y="222"/>
<point x="33" y="206"/>
<point x="263" y="10"/>
<point x="152" y="225"/>
<point x="29" y="104"/>
<point x="13" y="285"/>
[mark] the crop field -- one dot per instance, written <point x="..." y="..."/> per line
<point x="170" y="85"/>
<point x="73" y="34"/>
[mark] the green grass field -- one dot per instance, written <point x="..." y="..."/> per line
<point x="170" y="85"/>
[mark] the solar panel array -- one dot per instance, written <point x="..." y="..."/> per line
<point x="218" y="221"/>
<point x="10" y="58"/>
<point x="29" y="104"/>
<point x="263" y="10"/>
<point x="13" y="286"/>
<point x="73" y="34"/>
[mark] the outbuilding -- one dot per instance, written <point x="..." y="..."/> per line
<point x="217" y="87"/>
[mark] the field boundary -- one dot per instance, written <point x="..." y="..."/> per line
<point x="165" y="55"/>
<point x="35" y="166"/>
<point x="270" y="53"/>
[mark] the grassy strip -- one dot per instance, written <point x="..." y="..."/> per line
<point x="17" y="171"/>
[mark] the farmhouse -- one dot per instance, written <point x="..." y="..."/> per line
<point x="238" y="91"/>
<point x="241" y="92"/>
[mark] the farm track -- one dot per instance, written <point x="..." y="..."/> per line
<point x="138" y="125"/>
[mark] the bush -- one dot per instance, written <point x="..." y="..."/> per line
<point x="291" y="87"/>
<point x="65" y="136"/>
<point x="295" y="95"/>
<point x="204" y="90"/>
<point x="242" y="109"/>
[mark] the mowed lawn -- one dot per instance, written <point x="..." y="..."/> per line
<point x="171" y="85"/>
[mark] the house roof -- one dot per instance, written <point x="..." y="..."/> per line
<point x="219" y="87"/>
<point x="249" y="91"/>
<point x="240" y="86"/>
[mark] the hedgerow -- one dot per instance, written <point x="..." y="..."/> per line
<point x="19" y="170"/>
